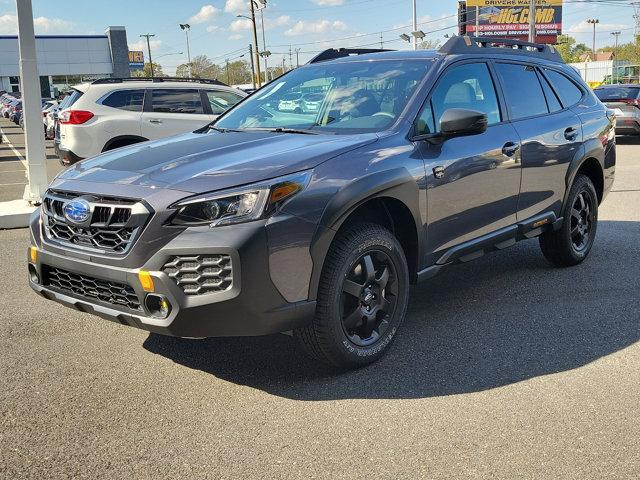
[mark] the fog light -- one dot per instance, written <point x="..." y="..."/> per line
<point x="157" y="305"/>
<point x="33" y="254"/>
<point x="33" y="274"/>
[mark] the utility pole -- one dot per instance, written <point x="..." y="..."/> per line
<point x="415" y="25"/>
<point x="147" y="36"/>
<point x="187" y="28"/>
<point x="253" y="68"/>
<point x="297" y="58"/>
<point x="615" y="56"/>
<point x="532" y="21"/>
<point x="381" y="42"/>
<point x="284" y="67"/>
<point x="30" y="86"/>
<point x="290" y="59"/>
<point x="228" y="77"/>
<point x="255" y="40"/>
<point x="594" y="21"/>
<point x="475" y="32"/>
<point x="264" y="47"/>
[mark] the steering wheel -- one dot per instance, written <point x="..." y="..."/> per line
<point x="383" y="114"/>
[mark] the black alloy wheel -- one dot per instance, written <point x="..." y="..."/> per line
<point x="582" y="218"/>
<point x="369" y="296"/>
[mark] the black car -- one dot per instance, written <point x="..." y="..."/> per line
<point x="316" y="223"/>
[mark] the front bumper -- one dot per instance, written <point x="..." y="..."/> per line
<point x="251" y="306"/>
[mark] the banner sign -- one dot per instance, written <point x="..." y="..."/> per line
<point x="136" y="60"/>
<point x="510" y="18"/>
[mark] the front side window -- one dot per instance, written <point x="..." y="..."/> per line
<point x="341" y="97"/>
<point x="522" y="90"/>
<point x="130" y="100"/>
<point x="466" y="86"/>
<point x="176" y="101"/>
<point x="221" y="101"/>
<point x="569" y="93"/>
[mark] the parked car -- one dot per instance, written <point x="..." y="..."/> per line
<point x="113" y="113"/>
<point x="317" y="224"/>
<point x="47" y="104"/>
<point x="292" y="102"/>
<point x="311" y="102"/>
<point x="624" y="100"/>
<point x="8" y="105"/>
<point x="15" y="111"/>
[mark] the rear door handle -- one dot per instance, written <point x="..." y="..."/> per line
<point x="571" y="133"/>
<point x="510" y="149"/>
<point x="155" y="121"/>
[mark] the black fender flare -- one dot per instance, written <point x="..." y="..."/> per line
<point x="590" y="149"/>
<point x="395" y="183"/>
<point x="132" y="138"/>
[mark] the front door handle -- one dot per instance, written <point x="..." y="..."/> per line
<point x="571" y="133"/>
<point x="510" y="149"/>
<point x="156" y="121"/>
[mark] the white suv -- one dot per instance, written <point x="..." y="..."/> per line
<point x="113" y="112"/>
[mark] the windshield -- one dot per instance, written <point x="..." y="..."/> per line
<point x="617" y="93"/>
<point x="353" y="97"/>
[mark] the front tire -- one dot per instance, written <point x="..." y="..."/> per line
<point x="571" y="244"/>
<point x="362" y="298"/>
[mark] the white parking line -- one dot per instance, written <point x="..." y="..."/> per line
<point x="13" y="149"/>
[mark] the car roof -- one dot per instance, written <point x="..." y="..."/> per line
<point x="388" y="55"/>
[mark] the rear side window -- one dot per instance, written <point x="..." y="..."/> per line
<point x="176" y="101"/>
<point x="522" y="90"/>
<point x="221" y="101"/>
<point x="568" y="91"/>
<point x="130" y="100"/>
<point x="552" y="99"/>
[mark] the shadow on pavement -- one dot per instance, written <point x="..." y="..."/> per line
<point x="499" y="320"/>
<point x="628" y="140"/>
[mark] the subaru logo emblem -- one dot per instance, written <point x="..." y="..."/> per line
<point x="77" y="210"/>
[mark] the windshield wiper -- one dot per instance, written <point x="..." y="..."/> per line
<point x="220" y="129"/>
<point x="292" y="130"/>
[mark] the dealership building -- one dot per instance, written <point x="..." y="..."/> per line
<point x="65" y="60"/>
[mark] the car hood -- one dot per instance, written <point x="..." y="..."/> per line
<point x="202" y="162"/>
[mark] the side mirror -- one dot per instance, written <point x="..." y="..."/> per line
<point x="458" y="122"/>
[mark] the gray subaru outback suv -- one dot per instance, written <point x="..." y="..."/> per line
<point x="316" y="223"/>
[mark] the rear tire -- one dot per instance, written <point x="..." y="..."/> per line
<point x="362" y="298"/>
<point x="571" y="244"/>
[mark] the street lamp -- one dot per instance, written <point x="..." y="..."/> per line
<point x="594" y="21"/>
<point x="187" y="28"/>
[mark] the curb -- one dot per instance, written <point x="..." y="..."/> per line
<point x="15" y="214"/>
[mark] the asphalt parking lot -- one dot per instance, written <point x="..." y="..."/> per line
<point x="505" y="368"/>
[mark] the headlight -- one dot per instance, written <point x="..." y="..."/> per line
<point x="240" y="205"/>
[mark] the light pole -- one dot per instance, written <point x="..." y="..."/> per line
<point x="594" y="21"/>
<point x="265" y="53"/>
<point x="532" y="21"/>
<point x="415" y="25"/>
<point x="187" y="28"/>
<point x="147" y="36"/>
<point x="615" y="56"/>
<point x="256" y="55"/>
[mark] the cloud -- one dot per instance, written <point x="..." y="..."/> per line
<point x="236" y="6"/>
<point x="240" y="24"/>
<point x="328" y="3"/>
<point x="142" y="45"/>
<point x="9" y="25"/>
<point x="206" y="13"/>
<point x="213" y="28"/>
<point x="319" y="26"/>
<point x="584" y="27"/>
<point x="236" y="36"/>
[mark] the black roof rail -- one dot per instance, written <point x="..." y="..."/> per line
<point x="464" y="45"/>
<point x="208" y="81"/>
<point x="332" y="53"/>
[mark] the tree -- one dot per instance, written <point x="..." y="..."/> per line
<point x="570" y="51"/>
<point x="201" y="67"/>
<point x="146" y="71"/>
<point x="236" y="73"/>
<point x="429" y="44"/>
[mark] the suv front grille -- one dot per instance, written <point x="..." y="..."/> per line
<point x="200" y="274"/>
<point x="112" y="227"/>
<point x="91" y="288"/>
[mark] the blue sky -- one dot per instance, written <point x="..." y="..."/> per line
<point x="310" y="25"/>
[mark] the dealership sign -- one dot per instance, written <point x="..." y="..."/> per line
<point x="136" y="60"/>
<point x="510" y="18"/>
